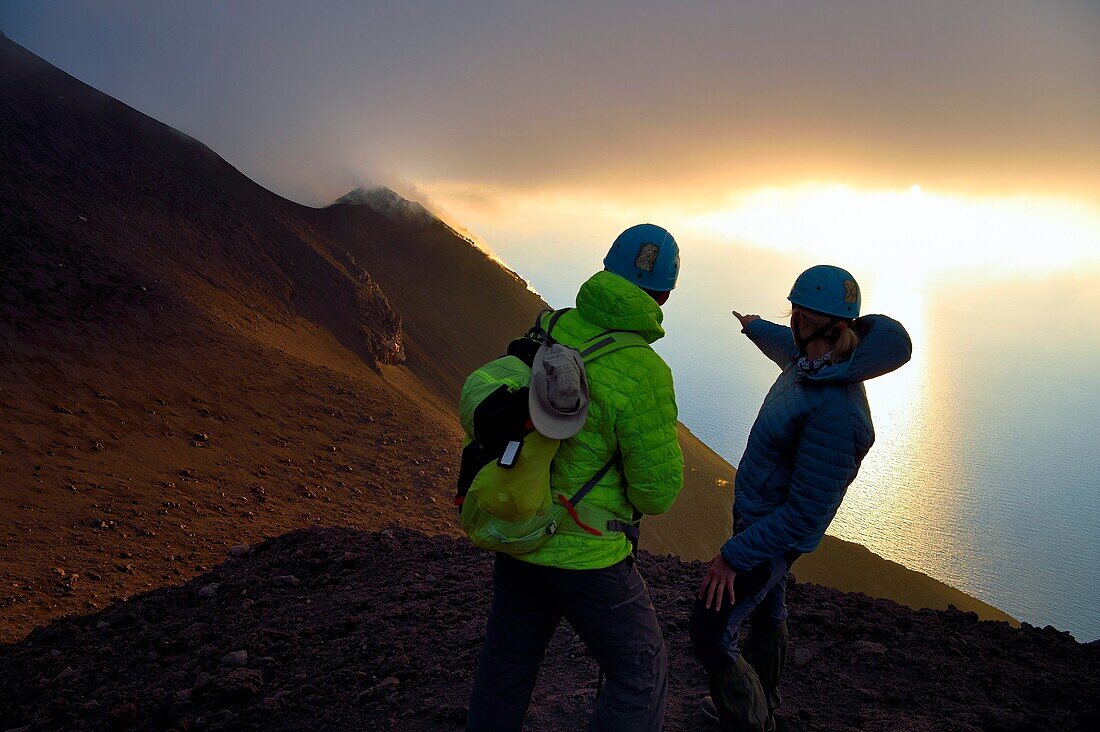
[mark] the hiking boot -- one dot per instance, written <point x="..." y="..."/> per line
<point x="738" y="699"/>
<point x="706" y="706"/>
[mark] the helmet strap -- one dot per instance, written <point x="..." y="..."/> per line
<point x="822" y="332"/>
<point x="658" y="297"/>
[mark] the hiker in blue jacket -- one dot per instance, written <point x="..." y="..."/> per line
<point x="803" y="452"/>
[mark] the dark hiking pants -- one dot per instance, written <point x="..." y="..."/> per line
<point x="745" y="686"/>
<point x="609" y="609"/>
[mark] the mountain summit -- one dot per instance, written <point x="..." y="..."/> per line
<point x="391" y="205"/>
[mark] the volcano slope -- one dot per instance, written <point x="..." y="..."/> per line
<point x="190" y="362"/>
<point x="340" y="629"/>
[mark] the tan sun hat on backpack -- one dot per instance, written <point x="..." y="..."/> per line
<point x="558" y="401"/>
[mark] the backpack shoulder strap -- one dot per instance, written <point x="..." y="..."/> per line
<point x="570" y="504"/>
<point x="540" y="316"/>
<point x="587" y="487"/>
<point x="593" y="348"/>
<point x="611" y="341"/>
<point x="629" y="528"/>
<point x="554" y="320"/>
<point x="539" y="331"/>
<point x="601" y="345"/>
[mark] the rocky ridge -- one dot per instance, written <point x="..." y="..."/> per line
<point x="342" y="629"/>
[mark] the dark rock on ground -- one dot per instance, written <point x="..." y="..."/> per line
<point x="389" y="639"/>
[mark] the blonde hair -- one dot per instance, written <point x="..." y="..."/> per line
<point x="844" y="340"/>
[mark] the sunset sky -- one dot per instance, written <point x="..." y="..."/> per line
<point x="834" y="126"/>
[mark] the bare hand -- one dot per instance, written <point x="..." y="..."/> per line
<point x="718" y="582"/>
<point x="745" y="319"/>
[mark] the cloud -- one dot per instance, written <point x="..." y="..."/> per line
<point x="645" y="99"/>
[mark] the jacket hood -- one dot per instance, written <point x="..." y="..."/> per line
<point x="609" y="301"/>
<point x="883" y="347"/>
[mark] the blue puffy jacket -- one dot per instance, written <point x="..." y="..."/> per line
<point x="808" y="440"/>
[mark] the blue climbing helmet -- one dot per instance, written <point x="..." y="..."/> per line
<point x="827" y="289"/>
<point x="646" y="255"/>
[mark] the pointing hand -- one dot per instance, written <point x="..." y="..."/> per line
<point x="745" y="319"/>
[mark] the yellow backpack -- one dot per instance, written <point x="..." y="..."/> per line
<point x="504" y="493"/>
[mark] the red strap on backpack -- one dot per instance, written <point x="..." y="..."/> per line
<point x="576" y="518"/>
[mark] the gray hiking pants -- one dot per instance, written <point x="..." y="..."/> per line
<point x="609" y="609"/>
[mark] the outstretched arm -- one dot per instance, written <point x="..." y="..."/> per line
<point x="775" y="341"/>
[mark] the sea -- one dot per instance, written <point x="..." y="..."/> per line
<point x="985" y="472"/>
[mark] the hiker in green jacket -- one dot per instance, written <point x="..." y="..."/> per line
<point x="585" y="574"/>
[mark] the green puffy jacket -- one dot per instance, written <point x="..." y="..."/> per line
<point x="632" y="409"/>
